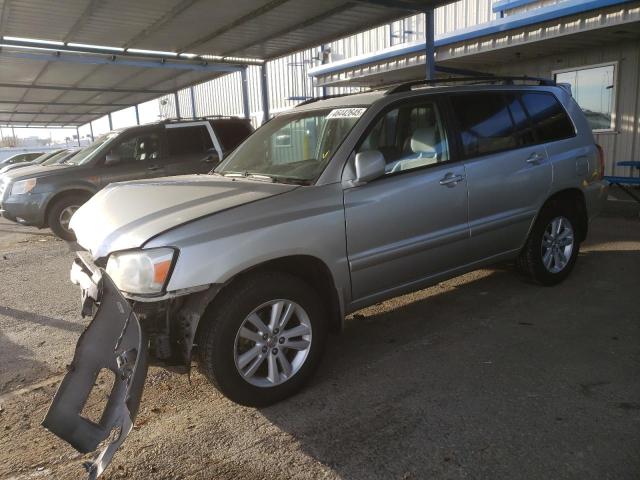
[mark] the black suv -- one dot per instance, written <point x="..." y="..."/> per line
<point x="47" y="196"/>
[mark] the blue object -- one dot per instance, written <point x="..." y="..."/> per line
<point x="624" y="180"/>
<point x="629" y="164"/>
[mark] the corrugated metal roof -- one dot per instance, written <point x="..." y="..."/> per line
<point x="263" y="29"/>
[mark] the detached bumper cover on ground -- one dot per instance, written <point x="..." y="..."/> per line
<point x="113" y="341"/>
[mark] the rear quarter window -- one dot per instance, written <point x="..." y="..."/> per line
<point x="548" y="116"/>
<point x="188" y="140"/>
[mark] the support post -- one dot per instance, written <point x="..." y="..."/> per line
<point x="78" y="136"/>
<point x="264" y="86"/>
<point x="194" y="111"/>
<point x="245" y="92"/>
<point x="91" y="131"/>
<point x="137" y="114"/>
<point x="429" y="41"/>
<point x="110" y="122"/>
<point x="176" y="100"/>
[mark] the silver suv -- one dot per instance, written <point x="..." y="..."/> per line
<point x="326" y="209"/>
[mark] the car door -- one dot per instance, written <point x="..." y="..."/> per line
<point x="508" y="172"/>
<point x="137" y="155"/>
<point x="190" y="148"/>
<point x="410" y="224"/>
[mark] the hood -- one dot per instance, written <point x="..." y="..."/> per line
<point x="13" y="166"/>
<point x="126" y="215"/>
<point x="31" y="171"/>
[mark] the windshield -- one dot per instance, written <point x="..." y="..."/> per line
<point x="58" y="157"/>
<point x="87" y="153"/>
<point x="292" y="147"/>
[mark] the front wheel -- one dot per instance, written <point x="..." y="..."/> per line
<point x="60" y="215"/>
<point x="263" y="338"/>
<point x="552" y="247"/>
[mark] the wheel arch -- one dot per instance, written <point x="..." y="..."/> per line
<point x="65" y="193"/>
<point x="576" y="198"/>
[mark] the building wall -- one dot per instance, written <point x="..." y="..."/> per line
<point x="624" y="143"/>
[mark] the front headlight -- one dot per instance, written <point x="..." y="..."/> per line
<point x="141" y="271"/>
<point x="23" y="186"/>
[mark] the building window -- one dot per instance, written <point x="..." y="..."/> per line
<point x="594" y="90"/>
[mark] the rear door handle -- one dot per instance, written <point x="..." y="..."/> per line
<point x="154" y="167"/>
<point x="451" y="180"/>
<point x="535" y="158"/>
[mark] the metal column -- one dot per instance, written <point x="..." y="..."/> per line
<point x="245" y="93"/>
<point x="137" y="114"/>
<point x="194" y="112"/>
<point x="78" y="136"/>
<point x="110" y="123"/>
<point x="91" y="131"/>
<point x="176" y="100"/>
<point x="264" y="86"/>
<point x="429" y="27"/>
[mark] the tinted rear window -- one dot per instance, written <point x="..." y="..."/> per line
<point x="188" y="140"/>
<point x="231" y="133"/>
<point x="485" y="123"/>
<point x="548" y="116"/>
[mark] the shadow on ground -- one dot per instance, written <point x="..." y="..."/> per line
<point x="488" y="378"/>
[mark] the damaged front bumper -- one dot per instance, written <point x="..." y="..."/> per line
<point x="114" y="341"/>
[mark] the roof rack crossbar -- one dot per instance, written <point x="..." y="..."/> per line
<point x="202" y="117"/>
<point x="325" y="97"/>
<point x="507" y="80"/>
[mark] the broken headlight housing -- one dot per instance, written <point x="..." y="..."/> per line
<point x="142" y="272"/>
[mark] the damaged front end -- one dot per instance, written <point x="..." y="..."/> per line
<point x="113" y="341"/>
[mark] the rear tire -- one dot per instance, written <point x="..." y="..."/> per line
<point x="230" y="345"/>
<point x="60" y="213"/>
<point x="552" y="248"/>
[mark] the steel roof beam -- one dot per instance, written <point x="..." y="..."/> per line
<point x="236" y="23"/>
<point x="64" y="104"/>
<point x="75" y="114"/>
<point x="108" y="59"/>
<point x="85" y="89"/>
<point x="44" y="125"/>
<point x="79" y="23"/>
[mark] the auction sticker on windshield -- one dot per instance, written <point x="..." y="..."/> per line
<point x="346" y="113"/>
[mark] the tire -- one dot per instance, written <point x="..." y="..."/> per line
<point x="59" y="211"/>
<point x="222" y="344"/>
<point x="533" y="260"/>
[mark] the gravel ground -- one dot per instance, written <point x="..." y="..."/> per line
<point x="483" y="376"/>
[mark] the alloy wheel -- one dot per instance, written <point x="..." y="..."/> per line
<point x="273" y="343"/>
<point x="557" y="244"/>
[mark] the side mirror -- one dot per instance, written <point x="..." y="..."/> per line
<point x="112" y="158"/>
<point x="369" y="166"/>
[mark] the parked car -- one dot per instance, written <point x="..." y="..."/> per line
<point x="49" y="156"/>
<point x="47" y="196"/>
<point x="326" y="209"/>
<point x="20" y="157"/>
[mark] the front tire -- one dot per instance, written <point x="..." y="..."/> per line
<point x="60" y="214"/>
<point x="552" y="248"/>
<point x="262" y="338"/>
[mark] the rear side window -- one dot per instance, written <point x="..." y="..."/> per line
<point x="485" y="123"/>
<point x="231" y="133"/>
<point x="548" y="116"/>
<point x="188" y="140"/>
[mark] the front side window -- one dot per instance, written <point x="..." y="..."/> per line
<point x="138" y="148"/>
<point x="293" y="147"/>
<point x="593" y="89"/>
<point x="485" y="123"/>
<point x="409" y="137"/>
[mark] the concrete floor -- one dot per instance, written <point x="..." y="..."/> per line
<point x="483" y="377"/>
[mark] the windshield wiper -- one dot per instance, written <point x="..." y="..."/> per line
<point x="265" y="177"/>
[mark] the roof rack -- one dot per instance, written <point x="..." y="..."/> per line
<point x="325" y="97"/>
<point x="205" y="117"/>
<point x="406" y="87"/>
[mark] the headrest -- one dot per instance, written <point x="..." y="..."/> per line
<point x="423" y="140"/>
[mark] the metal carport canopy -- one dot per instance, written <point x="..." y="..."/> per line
<point x="73" y="79"/>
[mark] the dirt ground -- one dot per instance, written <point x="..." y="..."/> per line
<point x="481" y="377"/>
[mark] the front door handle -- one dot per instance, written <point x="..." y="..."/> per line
<point x="451" y="180"/>
<point x="535" y="158"/>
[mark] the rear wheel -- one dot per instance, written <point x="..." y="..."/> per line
<point x="263" y="338"/>
<point x="60" y="215"/>
<point x="552" y="247"/>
